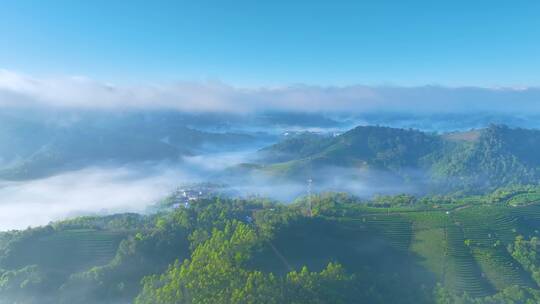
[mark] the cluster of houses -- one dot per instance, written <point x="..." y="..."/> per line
<point x="186" y="195"/>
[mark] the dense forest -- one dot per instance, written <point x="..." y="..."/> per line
<point x="390" y="249"/>
<point x="473" y="161"/>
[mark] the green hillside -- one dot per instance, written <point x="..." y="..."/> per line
<point x="474" y="161"/>
<point x="394" y="249"/>
<point x="31" y="148"/>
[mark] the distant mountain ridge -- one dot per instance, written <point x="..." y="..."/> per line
<point x="35" y="148"/>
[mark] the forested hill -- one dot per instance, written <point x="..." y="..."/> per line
<point x="497" y="156"/>
<point x="480" y="159"/>
<point x="393" y="249"/>
<point x="35" y="148"/>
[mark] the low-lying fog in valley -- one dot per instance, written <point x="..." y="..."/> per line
<point x="92" y="180"/>
<point x="83" y="192"/>
<point x="133" y="187"/>
<point x="59" y="161"/>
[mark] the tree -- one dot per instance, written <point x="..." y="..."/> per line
<point x="217" y="273"/>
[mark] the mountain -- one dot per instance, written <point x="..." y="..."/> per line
<point x="489" y="158"/>
<point x="31" y="148"/>
<point x="478" y="159"/>
<point x="294" y="147"/>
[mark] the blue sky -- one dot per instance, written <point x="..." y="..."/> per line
<point x="258" y="43"/>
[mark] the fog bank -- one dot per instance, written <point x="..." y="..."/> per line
<point x="88" y="191"/>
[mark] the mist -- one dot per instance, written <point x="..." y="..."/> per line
<point x="101" y="190"/>
<point x="84" y="192"/>
<point x="357" y="182"/>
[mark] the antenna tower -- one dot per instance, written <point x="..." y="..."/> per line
<point x="310" y="211"/>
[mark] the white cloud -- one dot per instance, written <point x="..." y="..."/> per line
<point x="19" y="90"/>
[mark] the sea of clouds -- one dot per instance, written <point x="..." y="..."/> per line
<point x="21" y="90"/>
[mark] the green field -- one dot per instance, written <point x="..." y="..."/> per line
<point x="464" y="248"/>
<point x="524" y="199"/>
<point x="80" y="248"/>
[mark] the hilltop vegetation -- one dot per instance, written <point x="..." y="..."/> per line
<point x="35" y="148"/>
<point x="393" y="249"/>
<point x="473" y="161"/>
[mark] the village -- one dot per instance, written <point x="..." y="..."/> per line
<point x="187" y="194"/>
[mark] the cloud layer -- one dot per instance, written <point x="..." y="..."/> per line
<point x="19" y="90"/>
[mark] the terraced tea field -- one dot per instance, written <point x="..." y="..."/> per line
<point x="524" y="199"/>
<point x="464" y="248"/>
<point x="394" y="228"/>
<point x="81" y="248"/>
<point x="85" y="244"/>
